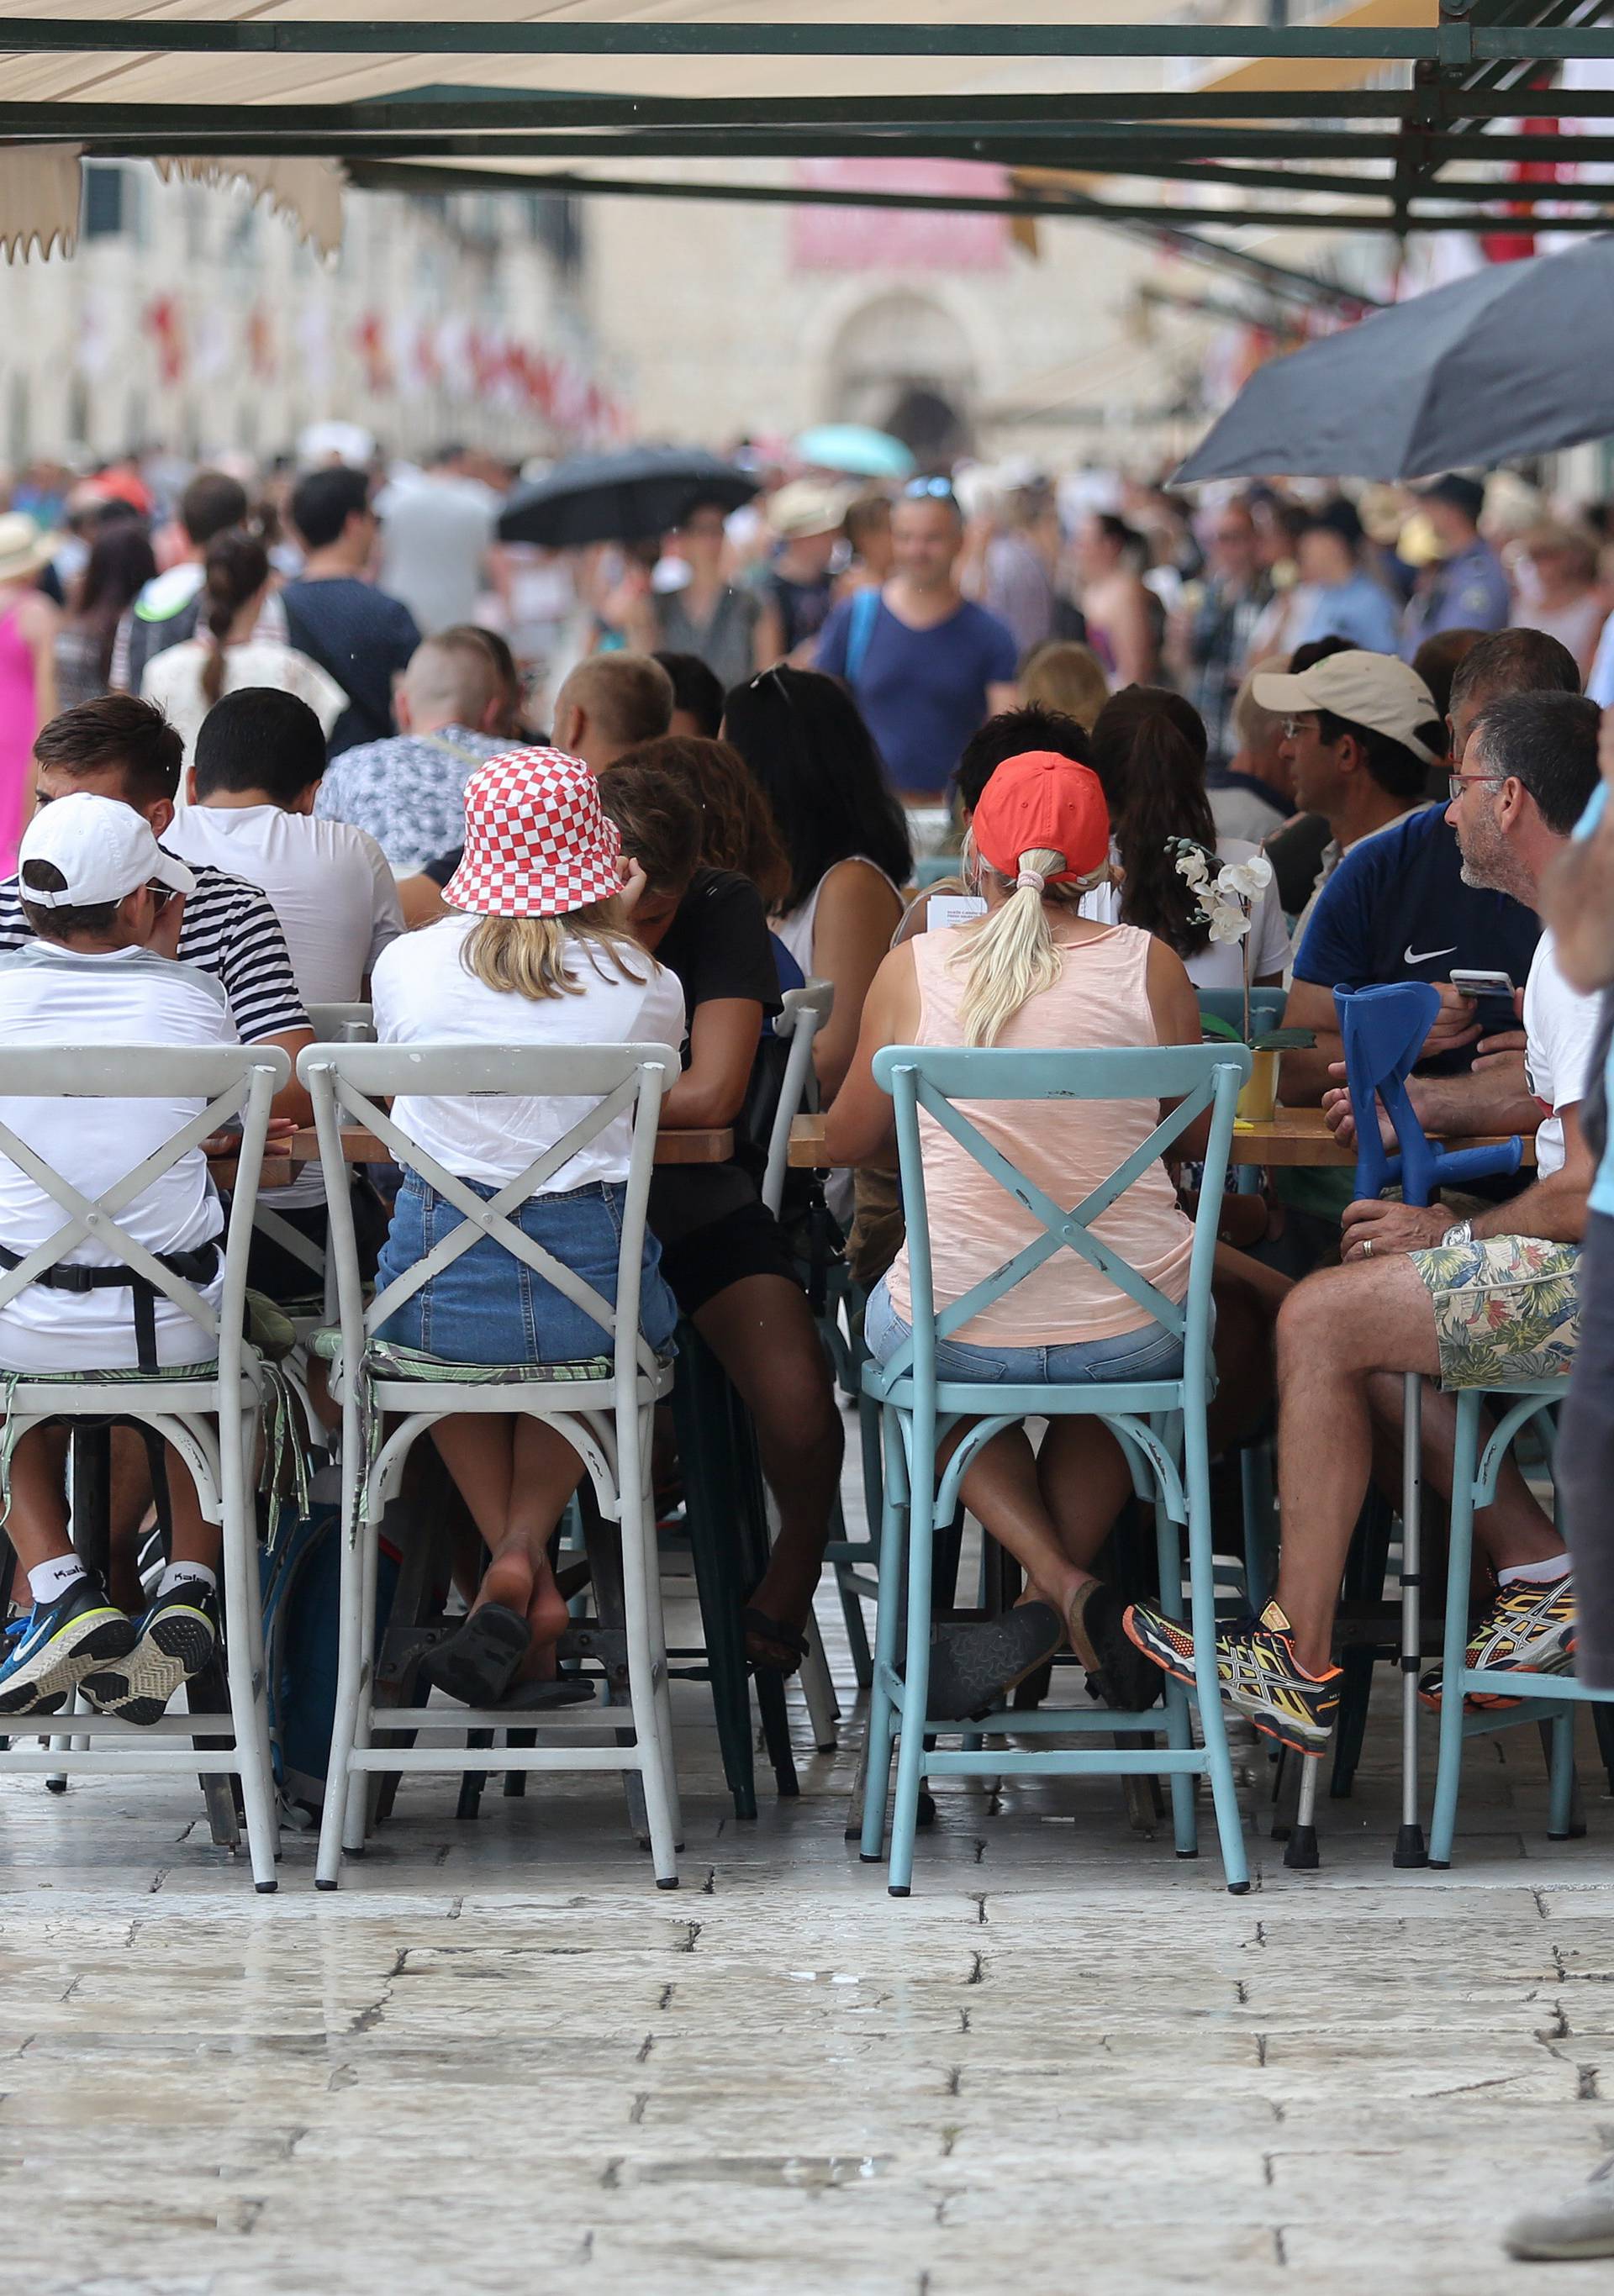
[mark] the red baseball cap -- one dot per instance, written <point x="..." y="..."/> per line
<point x="1038" y="803"/>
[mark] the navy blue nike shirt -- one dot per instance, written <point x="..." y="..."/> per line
<point x="1397" y="909"/>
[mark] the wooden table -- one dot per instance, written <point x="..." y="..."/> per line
<point x="1294" y="1136"/>
<point x="704" y="1144"/>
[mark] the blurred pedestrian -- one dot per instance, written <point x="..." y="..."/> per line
<point x="1123" y="619"/>
<point x="1213" y="641"/>
<point x="29" y="623"/>
<point x="1466" y="587"/>
<point x="1344" y="600"/>
<point x="335" y="614"/>
<point x="120" y="564"/>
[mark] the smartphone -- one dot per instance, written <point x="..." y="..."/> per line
<point x="1482" y="984"/>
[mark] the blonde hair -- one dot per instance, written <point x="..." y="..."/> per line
<point x="1010" y="956"/>
<point x="529" y="957"/>
<point x="1062" y="675"/>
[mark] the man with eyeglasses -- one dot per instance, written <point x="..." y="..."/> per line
<point x="1470" y="1302"/>
<point x="926" y="664"/>
<point x="1360" y="734"/>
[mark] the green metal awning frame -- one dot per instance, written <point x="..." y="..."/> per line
<point x="1384" y="162"/>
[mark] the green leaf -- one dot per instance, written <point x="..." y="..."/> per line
<point x="1285" y="1040"/>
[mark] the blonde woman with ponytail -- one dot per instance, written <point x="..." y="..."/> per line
<point x="230" y="651"/>
<point x="1034" y="972"/>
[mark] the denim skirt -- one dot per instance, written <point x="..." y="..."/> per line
<point x="1150" y="1352"/>
<point x="487" y="1307"/>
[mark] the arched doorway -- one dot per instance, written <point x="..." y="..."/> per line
<point x="903" y="364"/>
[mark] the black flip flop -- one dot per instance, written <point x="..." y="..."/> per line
<point x="761" y="1628"/>
<point x="1117" y="1671"/>
<point x="478" y="1664"/>
<point x="973" y="1666"/>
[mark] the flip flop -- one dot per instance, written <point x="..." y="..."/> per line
<point x="478" y="1664"/>
<point x="973" y="1666"/>
<point x="760" y="1629"/>
<point x="1117" y="1671"/>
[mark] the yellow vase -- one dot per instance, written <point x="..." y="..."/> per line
<point x="1259" y="1097"/>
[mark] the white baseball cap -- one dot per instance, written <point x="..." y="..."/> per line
<point x="103" y="848"/>
<point x="1374" y="690"/>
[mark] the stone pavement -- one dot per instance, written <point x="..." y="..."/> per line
<point x="499" y="2061"/>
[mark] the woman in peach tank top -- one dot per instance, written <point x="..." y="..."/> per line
<point x="1034" y="972"/>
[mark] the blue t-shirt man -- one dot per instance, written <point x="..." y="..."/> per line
<point x="1397" y="909"/>
<point x="922" y="692"/>
<point x="363" y="638"/>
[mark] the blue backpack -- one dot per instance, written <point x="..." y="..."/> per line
<point x="301" y="1579"/>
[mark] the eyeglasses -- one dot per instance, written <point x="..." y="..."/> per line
<point x="1454" y="782"/>
<point x="160" y="894"/>
<point x="1293" y="727"/>
<point x="930" y="490"/>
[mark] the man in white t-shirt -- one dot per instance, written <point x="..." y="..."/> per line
<point x="95" y="882"/>
<point x="1471" y="1303"/>
<point x="259" y="757"/>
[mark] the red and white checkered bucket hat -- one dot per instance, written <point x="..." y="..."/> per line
<point x="537" y="843"/>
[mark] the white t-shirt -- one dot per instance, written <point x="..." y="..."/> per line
<point x="173" y="680"/>
<point x="1219" y="964"/>
<point x="1560" y="1025"/>
<point x="330" y="886"/>
<point x="50" y="996"/>
<point x="436" y="530"/>
<point x="422" y="994"/>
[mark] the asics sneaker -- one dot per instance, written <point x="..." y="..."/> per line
<point x="1258" y="1670"/>
<point x="166" y="1648"/>
<point x="1529" y="1627"/>
<point x="47" y="1653"/>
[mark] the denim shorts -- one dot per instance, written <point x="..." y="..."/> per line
<point x="487" y="1306"/>
<point x="1149" y="1353"/>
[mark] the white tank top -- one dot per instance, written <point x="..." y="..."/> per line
<point x="795" y="928"/>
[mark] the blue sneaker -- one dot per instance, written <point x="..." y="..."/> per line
<point x="173" y="1641"/>
<point x="45" y="1655"/>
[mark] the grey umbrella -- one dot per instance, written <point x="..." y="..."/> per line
<point x="1517" y="360"/>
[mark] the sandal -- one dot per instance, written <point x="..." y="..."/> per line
<point x="539" y="1697"/>
<point x="1118" y="1672"/>
<point x="478" y="1664"/>
<point x="771" y="1647"/>
<point x="973" y="1668"/>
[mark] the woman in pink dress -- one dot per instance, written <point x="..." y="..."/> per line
<point x="29" y="622"/>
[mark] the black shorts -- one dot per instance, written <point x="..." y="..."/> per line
<point x="748" y="1241"/>
<point x="285" y="1278"/>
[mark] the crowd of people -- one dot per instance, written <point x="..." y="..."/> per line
<point x="268" y="754"/>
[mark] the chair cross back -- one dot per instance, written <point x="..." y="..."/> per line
<point x="627" y="1078"/>
<point x="241" y="1083"/>
<point x="804" y="1012"/>
<point x="930" y="1078"/>
<point x="1382" y="1031"/>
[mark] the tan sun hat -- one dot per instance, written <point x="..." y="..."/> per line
<point x="808" y="506"/>
<point x="1366" y="689"/>
<point x="24" y="550"/>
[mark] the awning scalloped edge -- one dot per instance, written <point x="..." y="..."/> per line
<point x="41" y="192"/>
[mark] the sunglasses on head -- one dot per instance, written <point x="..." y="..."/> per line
<point x="930" y="490"/>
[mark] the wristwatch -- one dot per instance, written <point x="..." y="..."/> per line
<point x="1462" y="1232"/>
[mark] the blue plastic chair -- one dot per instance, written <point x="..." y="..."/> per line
<point x="1159" y="1422"/>
<point x="1383" y="1031"/>
<point x="1266" y="1007"/>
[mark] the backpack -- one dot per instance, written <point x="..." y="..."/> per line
<point x="301" y="1580"/>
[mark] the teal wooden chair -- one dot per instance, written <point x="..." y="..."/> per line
<point x="1159" y="1422"/>
<point x="934" y="871"/>
<point x="1474" y="1471"/>
<point x="1266" y="1007"/>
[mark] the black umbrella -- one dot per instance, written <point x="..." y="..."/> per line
<point x="622" y="498"/>
<point x="1517" y="360"/>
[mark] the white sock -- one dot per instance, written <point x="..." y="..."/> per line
<point x="180" y="1575"/>
<point x="1537" y="1574"/>
<point x="48" y="1580"/>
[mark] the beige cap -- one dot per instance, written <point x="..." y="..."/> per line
<point x="808" y="506"/>
<point x="1369" y="689"/>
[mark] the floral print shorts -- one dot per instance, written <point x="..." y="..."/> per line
<point x="1506" y="1308"/>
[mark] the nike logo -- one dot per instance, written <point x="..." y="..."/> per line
<point x="1422" y="955"/>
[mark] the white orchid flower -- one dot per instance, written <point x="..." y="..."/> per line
<point x="1229" y="921"/>
<point x="1245" y="881"/>
<point x="1192" y="868"/>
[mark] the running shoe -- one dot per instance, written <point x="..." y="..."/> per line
<point x="1529" y="1627"/>
<point x="166" y="1647"/>
<point x="47" y="1653"/>
<point x="1258" y="1670"/>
